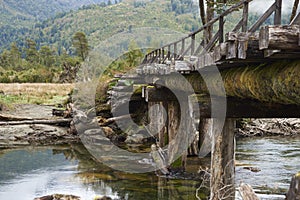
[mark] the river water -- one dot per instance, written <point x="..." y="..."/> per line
<point x="30" y="172"/>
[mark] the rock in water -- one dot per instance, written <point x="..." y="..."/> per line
<point x="59" y="197"/>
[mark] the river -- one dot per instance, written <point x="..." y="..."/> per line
<point x="30" y="172"/>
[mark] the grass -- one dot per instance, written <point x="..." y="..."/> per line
<point x="34" y="93"/>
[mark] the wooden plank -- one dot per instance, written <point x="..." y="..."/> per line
<point x="222" y="160"/>
<point x="296" y="20"/>
<point x="238" y="26"/>
<point x="283" y="37"/>
<point x="231" y="50"/>
<point x="242" y="49"/>
<point x="242" y="45"/>
<point x="294" y="11"/>
<point x="263" y="18"/>
<point x="200" y="46"/>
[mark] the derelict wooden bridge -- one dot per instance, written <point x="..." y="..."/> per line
<point x="242" y="46"/>
<point x="259" y="66"/>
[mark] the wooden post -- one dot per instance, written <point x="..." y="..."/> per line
<point x="162" y="55"/>
<point x="221" y="29"/>
<point x="277" y="16"/>
<point x="175" y="51"/>
<point x="193" y="44"/>
<point x="245" y="17"/>
<point x="294" y="191"/>
<point x="173" y="124"/>
<point x="169" y="52"/>
<point x="158" y="121"/>
<point x="182" y="47"/>
<point x="205" y="127"/>
<point x="222" y="161"/>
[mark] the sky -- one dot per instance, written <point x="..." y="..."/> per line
<point x="261" y="6"/>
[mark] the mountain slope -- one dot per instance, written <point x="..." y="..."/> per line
<point x="100" y="23"/>
<point x="13" y="12"/>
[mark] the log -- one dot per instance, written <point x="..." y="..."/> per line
<point x="62" y="122"/>
<point x="247" y="192"/>
<point x="114" y="119"/>
<point x="294" y="190"/>
<point x="283" y="37"/>
<point x="273" y="83"/>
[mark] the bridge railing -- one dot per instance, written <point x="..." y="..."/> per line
<point x="187" y="46"/>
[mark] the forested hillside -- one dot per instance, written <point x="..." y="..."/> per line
<point x="99" y="22"/>
<point x="19" y="17"/>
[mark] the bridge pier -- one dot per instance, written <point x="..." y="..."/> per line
<point x="222" y="160"/>
<point x="164" y="117"/>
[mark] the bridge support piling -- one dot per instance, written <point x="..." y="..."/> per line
<point x="222" y="161"/>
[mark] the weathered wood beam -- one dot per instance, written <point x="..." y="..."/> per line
<point x="283" y="37"/>
<point x="277" y="82"/>
<point x="263" y="18"/>
<point x="222" y="160"/>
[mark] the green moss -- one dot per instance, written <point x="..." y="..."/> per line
<point x="177" y="163"/>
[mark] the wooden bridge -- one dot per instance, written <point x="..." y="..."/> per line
<point x="246" y="73"/>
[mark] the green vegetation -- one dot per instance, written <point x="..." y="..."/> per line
<point x="43" y="65"/>
<point x="19" y="17"/>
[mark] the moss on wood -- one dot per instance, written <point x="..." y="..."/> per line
<point x="275" y="83"/>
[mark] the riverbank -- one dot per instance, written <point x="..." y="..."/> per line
<point x="30" y="124"/>
<point x="269" y="127"/>
<point x="26" y="114"/>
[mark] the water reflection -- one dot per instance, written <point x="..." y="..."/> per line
<point x="32" y="172"/>
<point x="69" y="169"/>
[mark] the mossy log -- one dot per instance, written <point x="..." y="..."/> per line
<point x="274" y="83"/>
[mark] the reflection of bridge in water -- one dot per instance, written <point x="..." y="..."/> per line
<point x="203" y="83"/>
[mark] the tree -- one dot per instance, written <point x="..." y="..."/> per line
<point x="47" y="56"/>
<point x="15" y="55"/>
<point x="31" y="51"/>
<point x="212" y="7"/>
<point x="80" y="44"/>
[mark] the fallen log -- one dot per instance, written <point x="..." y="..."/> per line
<point x="60" y="122"/>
